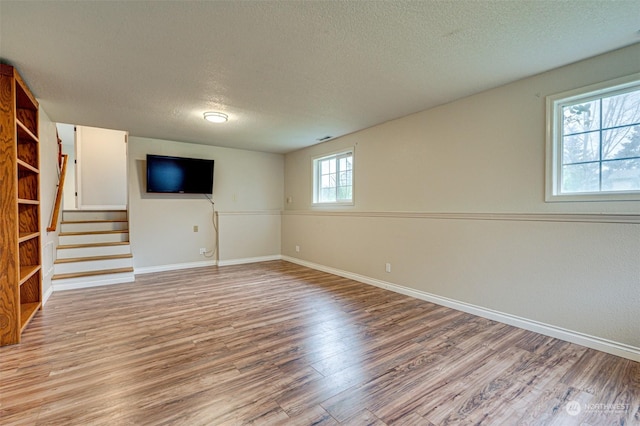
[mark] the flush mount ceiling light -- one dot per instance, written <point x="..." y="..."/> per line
<point x="216" y="117"/>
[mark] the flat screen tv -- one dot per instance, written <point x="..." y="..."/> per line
<point x="179" y="175"/>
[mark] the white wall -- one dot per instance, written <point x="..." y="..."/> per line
<point x="248" y="193"/>
<point x="48" y="188"/>
<point x="101" y="168"/>
<point x="453" y="198"/>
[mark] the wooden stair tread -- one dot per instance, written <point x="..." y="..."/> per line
<point x="91" y="273"/>
<point x="72" y="246"/>
<point x="91" y="258"/>
<point x="74" y="222"/>
<point x="95" y="211"/>
<point x="70" y="234"/>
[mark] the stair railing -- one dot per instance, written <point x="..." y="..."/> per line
<point x="56" y="206"/>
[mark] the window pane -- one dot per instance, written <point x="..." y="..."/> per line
<point x="344" y="179"/>
<point x="621" y="110"/>
<point x="343" y="163"/>
<point x="622" y="175"/>
<point x="342" y="193"/>
<point x="333" y="178"/>
<point x="581" y="178"/>
<point x="581" y="117"/>
<point x="581" y="148"/>
<point x="595" y="137"/>
<point x="327" y="195"/>
<point x="623" y="142"/>
<point x="324" y="167"/>
<point x="328" y="181"/>
<point x="325" y="181"/>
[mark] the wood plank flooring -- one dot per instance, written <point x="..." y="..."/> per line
<point x="276" y="343"/>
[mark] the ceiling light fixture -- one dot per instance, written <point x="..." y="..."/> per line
<point x="216" y="117"/>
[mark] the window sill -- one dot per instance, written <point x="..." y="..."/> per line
<point x="331" y="205"/>
<point x="593" y="197"/>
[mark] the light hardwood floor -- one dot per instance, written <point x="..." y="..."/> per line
<point x="277" y="343"/>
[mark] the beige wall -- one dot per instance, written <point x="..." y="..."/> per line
<point x="453" y="198"/>
<point x="484" y="153"/>
<point x="248" y="192"/>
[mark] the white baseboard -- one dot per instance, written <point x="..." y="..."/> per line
<point x="189" y="265"/>
<point x="47" y="294"/>
<point x="249" y="260"/>
<point x="597" y="343"/>
<point x="173" y="267"/>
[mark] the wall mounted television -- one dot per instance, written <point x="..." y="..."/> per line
<point x="178" y="175"/>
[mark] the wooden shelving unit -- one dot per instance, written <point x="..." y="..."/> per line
<point x="20" y="259"/>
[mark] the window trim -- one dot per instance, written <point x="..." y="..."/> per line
<point x="554" y="122"/>
<point x="314" y="179"/>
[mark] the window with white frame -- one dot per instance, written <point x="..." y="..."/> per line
<point x="593" y="142"/>
<point x="333" y="178"/>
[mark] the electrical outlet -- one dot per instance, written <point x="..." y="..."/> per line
<point x="387" y="267"/>
<point x="203" y="250"/>
<point x="297" y="249"/>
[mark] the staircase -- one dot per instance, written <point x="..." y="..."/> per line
<point x="93" y="249"/>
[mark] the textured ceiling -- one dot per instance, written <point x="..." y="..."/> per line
<point x="288" y="72"/>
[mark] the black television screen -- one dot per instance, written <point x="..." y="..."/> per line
<point x="179" y="175"/>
